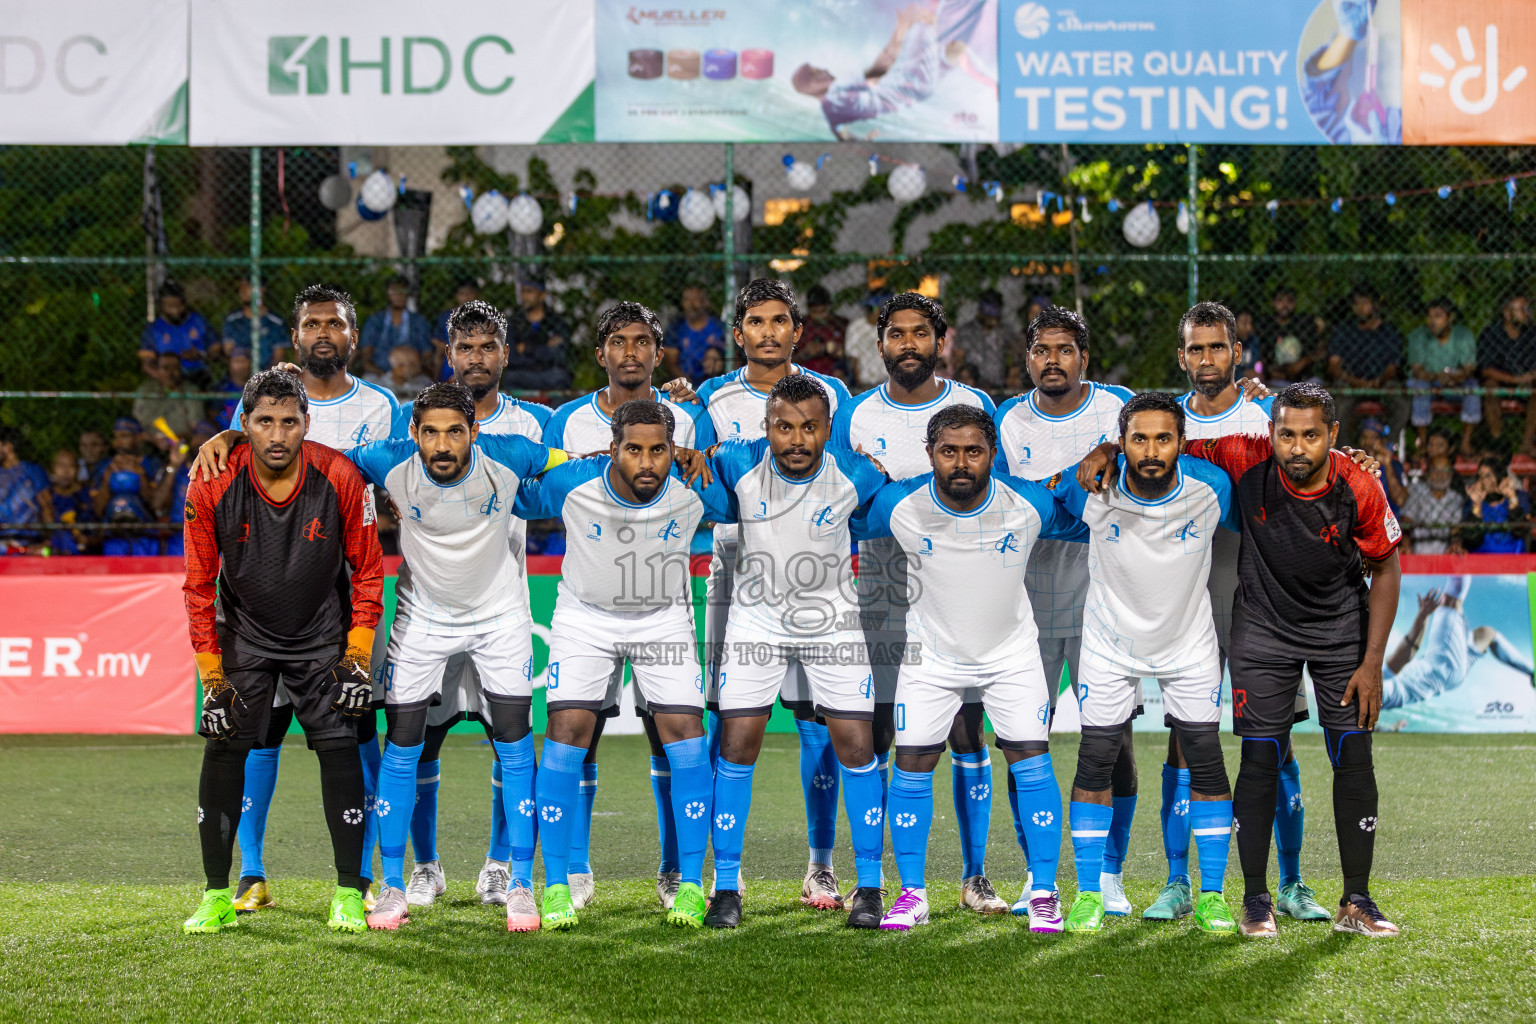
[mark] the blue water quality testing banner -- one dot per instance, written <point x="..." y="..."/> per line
<point x="1281" y="71"/>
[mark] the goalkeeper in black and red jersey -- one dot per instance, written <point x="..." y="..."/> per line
<point x="277" y="534"/>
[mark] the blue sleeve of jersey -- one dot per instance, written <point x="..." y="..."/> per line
<point x="376" y="458"/>
<point x="1266" y="403"/>
<point x="554" y="427"/>
<point x="1122" y="393"/>
<point x="400" y="426"/>
<point x="542" y="414"/>
<point x="874" y="519"/>
<point x="719" y="500"/>
<point x="703" y="425"/>
<point x="987" y="405"/>
<point x="544" y="497"/>
<point x="524" y="457"/>
<point x="706" y="390"/>
<point x="841" y="434"/>
<point x="735" y="459"/>
<point x="1057" y="521"/>
<point x="1217" y="480"/>
<point x="839" y="390"/>
<point x="867" y="480"/>
<point x="1065" y="489"/>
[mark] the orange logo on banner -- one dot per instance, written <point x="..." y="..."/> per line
<point x="1468" y="71"/>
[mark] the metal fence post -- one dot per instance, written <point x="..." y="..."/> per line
<point x="730" y="241"/>
<point x="1193" y="239"/>
<point x="255" y="272"/>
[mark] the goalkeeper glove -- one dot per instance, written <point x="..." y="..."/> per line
<point x="220" y="701"/>
<point x="354" y="685"/>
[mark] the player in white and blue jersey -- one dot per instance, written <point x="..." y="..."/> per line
<point x="625" y="596"/>
<point x="793" y="604"/>
<point x="629" y="346"/>
<point x="1217" y="405"/>
<point x="966" y="535"/>
<point x="476" y="356"/>
<point x="458" y="592"/>
<point x="1039" y="434"/>
<point x="890" y="423"/>
<point x="344" y="411"/>
<point x="1148" y="615"/>
<point x="767" y="327"/>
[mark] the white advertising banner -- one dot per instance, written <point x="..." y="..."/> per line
<point x="101" y="72"/>
<point x="391" y="72"/>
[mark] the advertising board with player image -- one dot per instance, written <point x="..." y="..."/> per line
<point x="887" y="70"/>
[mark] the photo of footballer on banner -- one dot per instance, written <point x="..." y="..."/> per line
<point x="892" y="70"/>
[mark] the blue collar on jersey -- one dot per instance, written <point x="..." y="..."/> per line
<point x="938" y="503"/>
<point x="774" y="466"/>
<point x="1035" y="408"/>
<point x="339" y="398"/>
<point x="501" y="407"/>
<point x="1184" y="401"/>
<point x="603" y="417"/>
<point x="885" y="396"/>
<point x="474" y="460"/>
<point x="614" y="495"/>
<point x="741" y="378"/>
<point x="1173" y="492"/>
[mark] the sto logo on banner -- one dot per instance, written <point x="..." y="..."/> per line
<point x="1465" y="71"/>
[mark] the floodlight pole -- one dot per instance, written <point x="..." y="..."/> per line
<point x="255" y="272"/>
<point x="730" y="242"/>
<point x="1192" y="239"/>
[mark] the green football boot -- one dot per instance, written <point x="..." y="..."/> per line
<point x="1300" y="903"/>
<point x="213" y="915"/>
<point x="1087" y="913"/>
<point x="347" y="911"/>
<point x="1213" y="915"/>
<point x="558" y="911"/>
<point x="1172" y="903"/>
<point x="689" y="908"/>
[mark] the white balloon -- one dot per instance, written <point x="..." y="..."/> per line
<point x="524" y="214"/>
<point x="907" y="182"/>
<point x="335" y="192"/>
<point x="801" y="175"/>
<point x="1181" y="219"/>
<point x="741" y="203"/>
<point x="378" y="192"/>
<point x="1141" y="225"/>
<point x="696" y="212"/>
<point x="488" y="215"/>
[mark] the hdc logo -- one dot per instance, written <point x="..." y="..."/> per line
<point x="421" y="64"/>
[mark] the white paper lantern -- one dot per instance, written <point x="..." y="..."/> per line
<point x="696" y="212"/>
<point x="524" y="214"/>
<point x="1141" y="225"/>
<point x="741" y="203"/>
<point x="1181" y="219"/>
<point x="489" y="213"/>
<point x="378" y="193"/>
<point x="801" y="176"/>
<point x="907" y="182"/>
<point x="335" y="192"/>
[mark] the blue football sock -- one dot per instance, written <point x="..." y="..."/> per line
<point x="972" y="778"/>
<point x="260" y="781"/>
<point x="818" y="779"/>
<point x="1124" y="812"/>
<point x="661" y="789"/>
<point x="424" y="814"/>
<point x="1210" y="821"/>
<point x="397" y="791"/>
<point x="1090" y="828"/>
<point x="581" y="827"/>
<point x="500" y="847"/>
<point x="692" y="793"/>
<point x="373" y="759"/>
<point x="910" y="805"/>
<point x="1013" y="807"/>
<point x="1290" y="819"/>
<point x="558" y="796"/>
<point x="519" y="781"/>
<point x="733" y="800"/>
<point x="1038" y="817"/>
<point x="1175" y="817"/>
<point x="864" y="800"/>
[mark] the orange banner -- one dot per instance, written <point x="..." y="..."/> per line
<point x="95" y="654"/>
<point x="1467" y="71"/>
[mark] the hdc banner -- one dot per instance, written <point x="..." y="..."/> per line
<point x="391" y="72"/>
<point x="100" y="72"/>
<point x="1465" y="71"/>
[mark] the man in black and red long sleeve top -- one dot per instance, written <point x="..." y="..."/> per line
<point x="1315" y="525"/>
<point x="277" y="534"/>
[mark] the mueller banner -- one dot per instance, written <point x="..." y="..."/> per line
<point x="93" y="72"/>
<point x="391" y="72"/>
<point x="1287" y="71"/>
<point x="749" y="71"/>
<point x="1465" y="74"/>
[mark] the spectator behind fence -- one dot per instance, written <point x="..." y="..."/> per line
<point x="985" y="342"/>
<point x="536" y="342"/>
<point x="128" y="449"/>
<point x="163" y="379"/>
<point x="691" y="335"/>
<point x="236" y="332"/>
<point x="67" y="501"/>
<point x="1394" y="475"/>
<point x="713" y="365"/>
<point x="169" y="500"/>
<point x="1438" y="445"/>
<point x="1291" y="342"/>
<point x="395" y="325"/>
<point x="1367" y="353"/>
<point x="405" y="377"/>
<point x="233" y="383"/>
<point x="1248" y="337"/>
<point x="1497" y="496"/>
<point x="178" y="329"/>
<point x="1432" y="508"/>
<point x="822" y="336"/>
<point x="861" y="345"/>
<point x="1506" y="357"/>
<point x="1443" y="353"/>
<point x="21" y="486"/>
<point x="93" y="454"/>
<point x="467" y="290"/>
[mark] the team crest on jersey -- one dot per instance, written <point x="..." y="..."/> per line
<point x="1189" y="531"/>
<point x="491" y="505"/>
<point x="1006" y="544"/>
<point x="1054" y="481"/>
<point x="1210" y="444"/>
<point x="824" y="518"/>
<point x="670" y="531"/>
<point x="189" y="513"/>
<point x="360" y="435"/>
